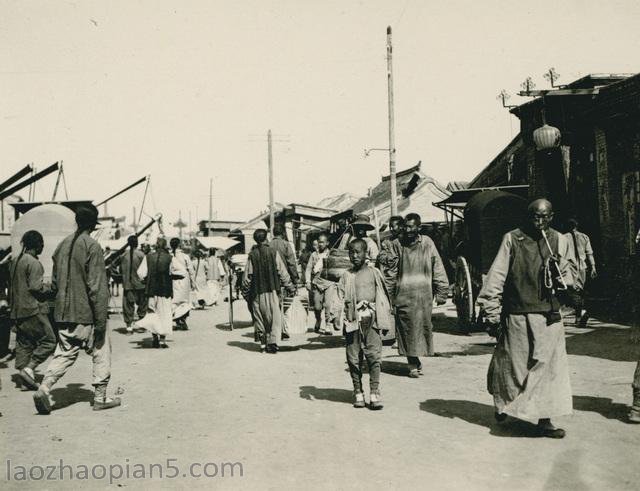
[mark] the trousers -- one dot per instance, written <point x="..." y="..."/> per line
<point x="72" y="339"/>
<point x="364" y="343"/>
<point x="130" y="299"/>
<point x="35" y="341"/>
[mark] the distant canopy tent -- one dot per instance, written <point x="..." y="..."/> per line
<point x="223" y="243"/>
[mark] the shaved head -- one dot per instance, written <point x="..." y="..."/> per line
<point x="541" y="214"/>
<point x="540" y="205"/>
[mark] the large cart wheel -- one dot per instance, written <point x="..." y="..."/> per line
<point x="463" y="295"/>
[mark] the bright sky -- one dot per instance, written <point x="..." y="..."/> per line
<point x="186" y="90"/>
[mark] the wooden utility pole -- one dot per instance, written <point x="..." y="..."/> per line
<point x="134" y="224"/>
<point x="271" y="206"/>
<point x="392" y="143"/>
<point x="211" y="199"/>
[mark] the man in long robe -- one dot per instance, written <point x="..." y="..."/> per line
<point x="133" y="287"/>
<point x="420" y="275"/>
<point x="265" y="275"/>
<point x="215" y="275"/>
<point x="529" y="374"/>
<point x="156" y="269"/>
<point x="203" y="296"/>
<point x="184" y="282"/>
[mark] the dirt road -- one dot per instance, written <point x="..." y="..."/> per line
<point x="212" y="400"/>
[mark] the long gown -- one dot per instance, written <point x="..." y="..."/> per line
<point x="420" y="273"/>
<point x="181" y="265"/>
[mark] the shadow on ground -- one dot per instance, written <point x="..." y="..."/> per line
<point x="19" y="384"/>
<point x="606" y="342"/>
<point x="245" y="345"/>
<point x="236" y="325"/>
<point x="397" y="368"/>
<point x="312" y="393"/>
<point x="446" y="324"/>
<point x="478" y="414"/>
<point x="146" y="343"/>
<point x="322" y="342"/>
<point x="72" y="394"/>
<point x="601" y="405"/>
<point x="475" y="349"/>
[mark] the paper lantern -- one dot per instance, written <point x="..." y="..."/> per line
<point x="547" y="137"/>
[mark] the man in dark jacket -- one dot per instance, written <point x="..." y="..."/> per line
<point x="156" y="268"/>
<point x="132" y="285"/>
<point x="286" y="252"/>
<point x="79" y="277"/>
<point x="264" y="275"/>
<point x="35" y="339"/>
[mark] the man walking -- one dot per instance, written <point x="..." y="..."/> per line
<point x="585" y="266"/>
<point x="361" y="225"/>
<point x="184" y="282"/>
<point x="288" y="256"/>
<point x="312" y="274"/>
<point x="529" y="374"/>
<point x="420" y="275"/>
<point x="265" y="274"/>
<point x="156" y="268"/>
<point x="134" y="294"/>
<point x="286" y="252"/>
<point x="388" y="258"/>
<point x="215" y="275"/>
<point x="35" y="339"/>
<point x="80" y="312"/>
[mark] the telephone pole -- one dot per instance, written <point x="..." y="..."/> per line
<point x="392" y="143"/>
<point x="210" y="199"/>
<point x="271" y="206"/>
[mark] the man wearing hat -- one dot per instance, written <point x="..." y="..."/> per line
<point x="80" y="311"/>
<point x="361" y="225"/>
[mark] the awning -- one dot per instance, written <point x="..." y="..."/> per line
<point x="217" y="242"/>
<point x="460" y="198"/>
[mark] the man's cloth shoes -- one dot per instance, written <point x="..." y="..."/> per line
<point x="547" y="430"/>
<point x="155" y="343"/>
<point x="358" y="400"/>
<point x="129" y="330"/>
<point x="414" y="373"/>
<point x="106" y="403"/>
<point x="272" y="349"/>
<point x="375" y="401"/>
<point x="27" y="379"/>
<point x="42" y="402"/>
<point x="634" y="415"/>
<point x="500" y="417"/>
